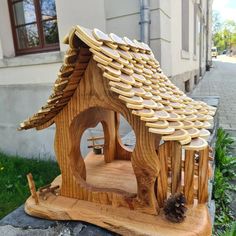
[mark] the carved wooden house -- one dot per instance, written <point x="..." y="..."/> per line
<point x="103" y="76"/>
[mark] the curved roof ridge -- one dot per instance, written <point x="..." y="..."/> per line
<point x="135" y="76"/>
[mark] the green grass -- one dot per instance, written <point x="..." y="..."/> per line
<point x="13" y="182"/>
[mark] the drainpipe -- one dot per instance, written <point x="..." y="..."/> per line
<point x="145" y="21"/>
<point x="207" y="38"/>
<point x="200" y="43"/>
<point x="1" y="51"/>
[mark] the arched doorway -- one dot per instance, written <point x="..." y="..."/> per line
<point x="113" y="168"/>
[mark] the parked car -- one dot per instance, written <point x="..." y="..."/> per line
<point x="214" y="52"/>
<point x="224" y="52"/>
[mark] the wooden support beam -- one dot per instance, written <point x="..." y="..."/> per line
<point x="43" y="191"/>
<point x="189" y="176"/>
<point x="183" y="166"/>
<point x="96" y="145"/>
<point x="203" y="176"/>
<point x="176" y="159"/>
<point x="182" y="190"/>
<point x="162" y="181"/>
<point x="96" y="138"/>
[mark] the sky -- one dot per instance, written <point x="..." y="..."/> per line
<point x="226" y="8"/>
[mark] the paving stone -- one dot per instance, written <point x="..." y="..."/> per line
<point x="220" y="81"/>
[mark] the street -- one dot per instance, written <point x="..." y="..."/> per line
<point x="221" y="81"/>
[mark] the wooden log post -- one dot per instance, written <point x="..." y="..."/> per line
<point x="203" y="176"/>
<point x="189" y="176"/>
<point x="176" y="166"/>
<point x="32" y="188"/>
<point x="146" y="165"/>
<point x="162" y="181"/>
<point x="122" y="152"/>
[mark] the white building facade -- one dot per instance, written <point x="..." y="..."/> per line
<point x="31" y="51"/>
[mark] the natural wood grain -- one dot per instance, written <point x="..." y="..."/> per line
<point x="203" y="175"/>
<point x="121" y="220"/>
<point x="118" y="174"/>
<point x="32" y="188"/>
<point x="102" y="77"/>
<point x="45" y="125"/>
<point x="103" y="107"/>
<point x="131" y="70"/>
<point x="176" y="158"/>
<point x="162" y="181"/>
<point x="189" y="176"/>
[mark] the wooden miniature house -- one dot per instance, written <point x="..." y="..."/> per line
<point x="103" y="76"/>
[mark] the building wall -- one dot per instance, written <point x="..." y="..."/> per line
<point x="26" y="81"/>
<point x="19" y="101"/>
<point x="161" y="43"/>
<point x="25" y="85"/>
<point x="185" y="65"/>
<point x="165" y="35"/>
<point x="5" y="31"/>
<point x="123" y="15"/>
<point x="89" y="13"/>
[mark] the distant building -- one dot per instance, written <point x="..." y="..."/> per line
<point x="31" y="49"/>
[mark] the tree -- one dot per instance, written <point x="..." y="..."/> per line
<point x="229" y="31"/>
<point x="216" y="22"/>
<point x="223" y="33"/>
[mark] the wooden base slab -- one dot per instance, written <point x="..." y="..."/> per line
<point x="120" y="220"/>
<point x="118" y="174"/>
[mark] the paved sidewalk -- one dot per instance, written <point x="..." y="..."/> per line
<point x="221" y="81"/>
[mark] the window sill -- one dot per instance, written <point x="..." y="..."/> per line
<point x="32" y="59"/>
<point x="185" y="55"/>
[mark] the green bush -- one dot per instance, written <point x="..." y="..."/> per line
<point x="224" y="162"/>
<point x="232" y="231"/>
<point x="225" y="172"/>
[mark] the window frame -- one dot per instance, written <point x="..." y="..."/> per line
<point x="185" y="25"/>
<point x="42" y="47"/>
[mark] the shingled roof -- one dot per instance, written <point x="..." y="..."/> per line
<point x="135" y="76"/>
